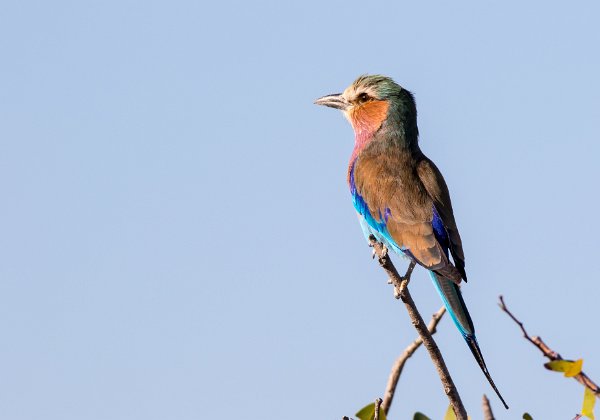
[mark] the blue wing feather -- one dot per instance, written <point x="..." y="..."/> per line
<point x="439" y="230"/>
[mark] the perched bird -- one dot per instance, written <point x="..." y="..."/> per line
<point x="400" y="195"/>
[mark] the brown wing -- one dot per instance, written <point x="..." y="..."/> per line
<point x="396" y="197"/>
<point x="436" y="187"/>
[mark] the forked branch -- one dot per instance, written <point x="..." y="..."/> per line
<point x="401" y="289"/>
<point x="390" y="389"/>
<point x="582" y="378"/>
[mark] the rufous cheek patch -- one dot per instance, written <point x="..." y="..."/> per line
<point x="370" y="116"/>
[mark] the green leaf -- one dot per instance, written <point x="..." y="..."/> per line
<point x="569" y="367"/>
<point x="420" y="416"/>
<point x="527" y="416"/>
<point x="368" y="413"/>
<point x="450" y="415"/>
<point x="589" y="400"/>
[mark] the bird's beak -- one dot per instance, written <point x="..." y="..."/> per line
<point x="334" y="101"/>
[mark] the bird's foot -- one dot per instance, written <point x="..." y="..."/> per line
<point x="384" y="250"/>
<point x="379" y="248"/>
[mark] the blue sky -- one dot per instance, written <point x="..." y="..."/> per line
<point x="178" y="241"/>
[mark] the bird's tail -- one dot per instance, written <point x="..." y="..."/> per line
<point x="453" y="300"/>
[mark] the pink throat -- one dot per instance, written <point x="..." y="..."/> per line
<point x="362" y="137"/>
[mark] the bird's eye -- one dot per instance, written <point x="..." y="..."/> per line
<point x="363" y="97"/>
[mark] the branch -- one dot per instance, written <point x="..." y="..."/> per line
<point x="487" y="409"/>
<point x="434" y="352"/>
<point x="377" y="405"/>
<point x="582" y="378"/>
<point x="401" y="361"/>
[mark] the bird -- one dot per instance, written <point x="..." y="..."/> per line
<point x="401" y="196"/>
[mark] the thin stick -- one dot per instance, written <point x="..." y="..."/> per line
<point x="390" y="389"/>
<point x="434" y="352"/>
<point x="377" y="405"/>
<point x="582" y="378"/>
<point x="487" y="409"/>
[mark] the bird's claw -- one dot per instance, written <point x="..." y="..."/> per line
<point x="372" y="244"/>
<point x="384" y="251"/>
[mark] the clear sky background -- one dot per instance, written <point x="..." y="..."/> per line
<point x="177" y="239"/>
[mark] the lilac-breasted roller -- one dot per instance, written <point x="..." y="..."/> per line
<point x="400" y="195"/>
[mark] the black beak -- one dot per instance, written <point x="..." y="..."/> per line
<point x="336" y="101"/>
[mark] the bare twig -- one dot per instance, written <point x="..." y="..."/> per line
<point x="401" y="361"/>
<point x="377" y="406"/>
<point x="582" y="378"/>
<point x="434" y="352"/>
<point x="487" y="409"/>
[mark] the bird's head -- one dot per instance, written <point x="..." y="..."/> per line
<point x="372" y="100"/>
